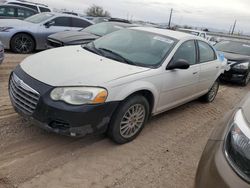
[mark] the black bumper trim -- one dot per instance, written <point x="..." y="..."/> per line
<point x="65" y="119"/>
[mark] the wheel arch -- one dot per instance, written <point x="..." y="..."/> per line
<point x="148" y="90"/>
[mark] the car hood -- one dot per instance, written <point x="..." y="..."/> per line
<point x="14" y="23"/>
<point x="73" y="36"/>
<point x="235" y="57"/>
<point x="74" y="66"/>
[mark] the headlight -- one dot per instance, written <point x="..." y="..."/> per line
<point x="243" y="66"/>
<point x="79" y="95"/>
<point x="5" y="29"/>
<point x="238" y="146"/>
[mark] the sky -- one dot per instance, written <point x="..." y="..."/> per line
<point x="217" y="14"/>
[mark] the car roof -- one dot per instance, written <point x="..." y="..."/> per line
<point x="170" y="33"/>
<point x="67" y="15"/>
<point x="17" y="6"/>
<point x="27" y="3"/>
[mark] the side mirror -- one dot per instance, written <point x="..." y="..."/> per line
<point x="49" y="24"/>
<point x="179" y="64"/>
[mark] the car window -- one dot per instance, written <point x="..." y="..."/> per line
<point x="80" y="23"/>
<point x="24" y="13"/>
<point x="206" y="52"/>
<point x="7" y="11"/>
<point x="62" y="21"/>
<point x="39" y="18"/>
<point x="42" y="9"/>
<point x="235" y="47"/>
<point x="142" y="48"/>
<point x="186" y="51"/>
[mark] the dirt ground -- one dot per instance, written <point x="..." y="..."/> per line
<point x="166" y="154"/>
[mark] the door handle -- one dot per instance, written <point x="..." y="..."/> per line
<point x="195" y="72"/>
<point x="217" y="67"/>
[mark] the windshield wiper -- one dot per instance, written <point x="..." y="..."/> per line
<point x="92" y="48"/>
<point x="124" y="60"/>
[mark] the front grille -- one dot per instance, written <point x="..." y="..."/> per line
<point x="54" y="43"/>
<point x="23" y="96"/>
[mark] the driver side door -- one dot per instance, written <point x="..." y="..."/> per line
<point x="180" y="86"/>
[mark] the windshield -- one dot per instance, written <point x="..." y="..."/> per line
<point x="102" y="29"/>
<point x="39" y="18"/>
<point x="136" y="47"/>
<point x="234" y="47"/>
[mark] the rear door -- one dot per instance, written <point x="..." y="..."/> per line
<point x="210" y="66"/>
<point x="179" y="85"/>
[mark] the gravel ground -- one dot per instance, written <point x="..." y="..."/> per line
<point x="166" y="154"/>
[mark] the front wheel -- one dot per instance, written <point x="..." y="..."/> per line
<point x="22" y="43"/>
<point x="210" y="96"/>
<point x="129" y="119"/>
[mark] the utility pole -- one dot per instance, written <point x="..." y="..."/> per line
<point x="170" y="18"/>
<point x="234" y="27"/>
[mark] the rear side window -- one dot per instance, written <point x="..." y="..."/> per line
<point x="7" y="11"/>
<point x="24" y="13"/>
<point x="79" y="23"/>
<point x="206" y="52"/>
<point x="186" y="51"/>
<point x="62" y="21"/>
<point x="44" y="9"/>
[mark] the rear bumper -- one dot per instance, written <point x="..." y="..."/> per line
<point x="62" y="118"/>
<point x="214" y="170"/>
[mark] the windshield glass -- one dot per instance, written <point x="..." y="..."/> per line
<point x="234" y="47"/>
<point x="102" y="29"/>
<point x="39" y="18"/>
<point x="138" y="47"/>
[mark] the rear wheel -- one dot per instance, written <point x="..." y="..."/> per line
<point x="129" y="119"/>
<point x="210" y="96"/>
<point x="22" y="43"/>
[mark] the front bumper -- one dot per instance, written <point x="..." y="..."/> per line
<point x="214" y="170"/>
<point x="234" y="75"/>
<point x="60" y="117"/>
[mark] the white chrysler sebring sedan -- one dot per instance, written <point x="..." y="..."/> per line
<point x="115" y="83"/>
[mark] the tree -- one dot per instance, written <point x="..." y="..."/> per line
<point x="97" y="11"/>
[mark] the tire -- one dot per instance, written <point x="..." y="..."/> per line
<point x="210" y="96"/>
<point x="22" y="43"/>
<point x="129" y="119"/>
<point x="246" y="80"/>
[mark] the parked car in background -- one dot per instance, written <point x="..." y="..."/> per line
<point x="212" y="40"/>
<point x="225" y="161"/>
<point x="85" y="35"/>
<point x="15" y="12"/>
<point x="198" y="33"/>
<point x="25" y="36"/>
<point x="238" y="55"/>
<point x="1" y="53"/>
<point x="35" y="6"/>
<point x="114" y="83"/>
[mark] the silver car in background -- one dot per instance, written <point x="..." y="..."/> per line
<point x="1" y="53"/>
<point x="25" y="36"/>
